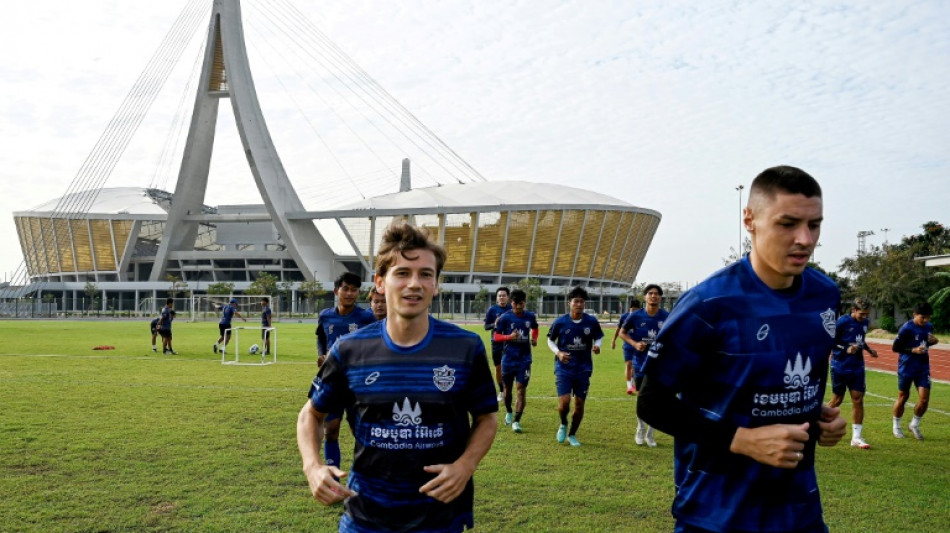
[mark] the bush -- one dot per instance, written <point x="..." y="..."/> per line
<point x="888" y="323"/>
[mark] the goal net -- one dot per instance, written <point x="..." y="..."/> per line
<point x="240" y="351"/>
<point x="208" y="307"/>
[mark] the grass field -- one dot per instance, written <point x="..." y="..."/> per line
<point x="127" y="440"/>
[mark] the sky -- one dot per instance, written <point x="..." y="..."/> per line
<point x="669" y="106"/>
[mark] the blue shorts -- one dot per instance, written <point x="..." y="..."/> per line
<point x="841" y="381"/>
<point x="686" y="528"/>
<point x="627" y="354"/>
<point x="920" y="380"/>
<point x="578" y="384"/>
<point x="521" y="373"/>
<point x="497" y="351"/>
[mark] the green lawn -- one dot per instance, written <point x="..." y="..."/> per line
<point x="125" y="440"/>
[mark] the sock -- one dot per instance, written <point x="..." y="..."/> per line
<point x="640" y="425"/>
<point x="856" y="431"/>
<point x="331" y="452"/>
<point x="629" y="383"/>
<point x="897" y="422"/>
<point x="915" y="421"/>
<point x="518" y="416"/>
<point x="154" y="347"/>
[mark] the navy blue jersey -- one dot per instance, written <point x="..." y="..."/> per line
<point x="491" y="316"/>
<point x="412" y="406"/>
<point x="577" y="338"/>
<point x="165" y="324"/>
<point x="331" y="325"/>
<point x="738" y="351"/>
<point x="849" y="332"/>
<point x="910" y="336"/>
<point x="266" y="317"/>
<point x="227" y="313"/>
<point x="640" y="326"/>
<point x="518" y="350"/>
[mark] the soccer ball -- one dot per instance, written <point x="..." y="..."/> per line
<point x="255" y="348"/>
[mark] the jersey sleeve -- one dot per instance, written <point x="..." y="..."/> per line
<point x="329" y="392"/>
<point x="321" y="338"/>
<point x="482" y="399"/>
<point x="677" y="351"/>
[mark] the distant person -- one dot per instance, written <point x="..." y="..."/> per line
<point x="165" y="326"/>
<point x="424" y="400"/>
<point x="638" y="332"/>
<point x="153" y="326"/>
<point x="572" y="338"/>
<point x="333" y="323"/>
<point x="913" y="343"/>
<point x="627" y="349"/>
<point x="267" y="321"/>
<point x="228" y="312"/>
<point x="377" y="303"/>
<point x="518" y="330"/>
<point x="738" y="372"/>
<point x="847" y="365"/>
<point x="500" y="307"/>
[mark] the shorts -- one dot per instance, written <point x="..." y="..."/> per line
<point x="165" y="333"/>
<point x="222" y="328"/>
<point x="153" y="329"/>
<point x="686" y="528"/>
<point x="920" y="380"/>
<point x="520" y="373"/>
<point x="576" y="384"/>
<point x="497" y="350"/>
<point x="840" y="381"/>
<point x="627" y="354"/>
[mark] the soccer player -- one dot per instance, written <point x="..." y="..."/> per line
<point x="333" y="323"/>
<point x="266" y="322"/>
<point x="627" y="350"/>
<point x="165" y="327"/>
<point x="228" y="312"/>
<point x="500" y="307"/>
<point x="518" y="330"/>
<point x="638" y="333"/>
<point x="425" y="400"/>
<point x="377" y="303"/>
<point x="847" y="365"/>
<point x="572" y="338"/>
<point x="738" y="373"/>
<point x="153" y="326"/>
<point x="913" y="343"/>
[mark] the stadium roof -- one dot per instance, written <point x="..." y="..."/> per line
<point x="115" y="200"/>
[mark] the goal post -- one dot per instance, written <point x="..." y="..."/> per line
<point x="234" y="347"/>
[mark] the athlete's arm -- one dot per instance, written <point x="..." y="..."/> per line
<point x="321" y="477"/>
<point x="452" y="478"/>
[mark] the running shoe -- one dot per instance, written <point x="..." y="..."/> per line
<point x="155" y="350"/>
<point x="631" y="390"/>
<point x="859" y="443"/>
<point x="516" y="427"/>
<point x="501" y="397"/>
<point x="898" y="433"/>
<point x="561" y="433"/>
<point x="651" y="442"/>
<point x="215" y="348"/>
<point x="508" y="418"/>
<point x="573" y="440"/>
<point x="915" y="431"/>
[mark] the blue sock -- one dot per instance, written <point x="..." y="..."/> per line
<point x="331" y="452"/>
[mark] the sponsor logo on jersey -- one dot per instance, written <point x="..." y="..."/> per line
<point x="654" y="350"/>
<point x="796" y="376"/>
<point x="443" y="378"/>
<point x="408" y="415"/>
<point x="763" y="332"/>
<point x="370" y="379"/>
<point x="828" y="320"/>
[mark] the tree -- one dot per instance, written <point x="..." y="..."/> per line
<point x="221" y="288"/>
<point x="480" y="300"/>
<point x="533" y="291"/>
<point x="177" y="285"/>
<point x="940" y="301"/>
<point x="285" y="288"/>
<point x="265" y="284"/>
<point x="311" y="291"/>
<point x="91" y="291"/>
<point x="734" y="256"/>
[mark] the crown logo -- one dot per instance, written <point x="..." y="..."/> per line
<point x="408" y="415"/>
<point x="443" y="378"/>
<point x="796" y="376"/>
<point x="651" y="334"/>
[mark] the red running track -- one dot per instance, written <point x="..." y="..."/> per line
<point x="887" y="359"/>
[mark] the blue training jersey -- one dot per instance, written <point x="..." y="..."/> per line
<point x="910" y="336"/>
<point x="491" y="316"/>
<point x="517" y="351"/>
<point x="413" y="406"/>
<point x="331" y="325"/>
<point x="576" y="338"/>
<point x="738" y="351"/>
<point x="266" y="317"/>
<point x="166" y="319"/>
<point x="227" y="313"/>
<point x="640" y="326"/>
<point x="849" y="332"/>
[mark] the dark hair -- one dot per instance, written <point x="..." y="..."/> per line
<point x="401" y="238"/>
<point x="634" y="303"/>
<point x="518" y="296"/>
<point x="502" y="288"/>
<point x="784" y="179"/>
<point x="169" y="301"/>
<point x="861" y="304"/>
<point x="347" y="277"/>
<point x="652" y="286"/>
<point x="924" y="308"/>
<point x="577" y="292"/>
<point x="265" y="300"/>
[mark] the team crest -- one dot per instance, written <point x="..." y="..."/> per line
<point x="828" y="320"/>
<point x="353" y="327"/>
<point x="586" y="331"/>
<point x="443" y="378"/>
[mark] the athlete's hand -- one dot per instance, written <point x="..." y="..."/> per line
<point x="932" y="339"/>
<point x="833" y="426"/>
<point x="324" y="487"/>
<point x="613" y="345"/>
<point x="873" y="352"/>
<point x="534" y="342"/>
<point x="596" y="349"/>
<point x="321" y="359"/>
<point x="450" y="481"/>
<point x="564" y="357"/>
<point x="778" y="445"/>
<point x="852" y="350"/>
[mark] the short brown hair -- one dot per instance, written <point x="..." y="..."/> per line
<point x="400" y="238"/>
